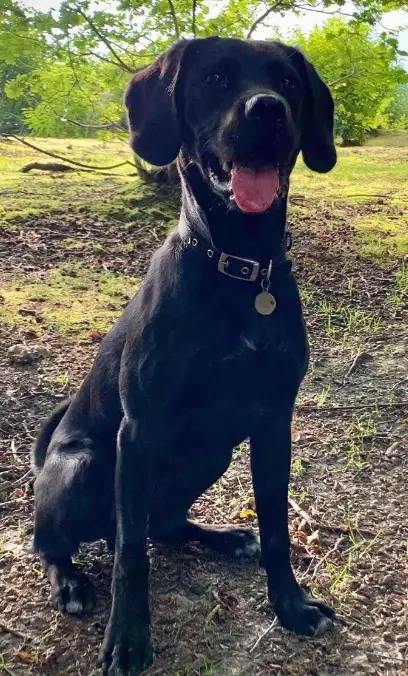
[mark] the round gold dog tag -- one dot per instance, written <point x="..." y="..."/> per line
<point x="265" y="303"/>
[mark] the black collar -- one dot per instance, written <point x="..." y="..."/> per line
<point x="245" y="269"/>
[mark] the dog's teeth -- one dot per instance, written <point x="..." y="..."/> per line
<point x="225" y="167"/>
<point x="232" y="198"/>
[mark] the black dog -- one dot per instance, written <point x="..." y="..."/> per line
<point x="201" y="358"/>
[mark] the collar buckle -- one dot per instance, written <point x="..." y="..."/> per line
<point x="248" y="272"/>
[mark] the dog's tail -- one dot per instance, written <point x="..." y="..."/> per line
<point x="39" y="450"/>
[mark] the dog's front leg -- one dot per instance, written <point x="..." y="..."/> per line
<point x="126" y="649"/>
<point x="270" y="462"/>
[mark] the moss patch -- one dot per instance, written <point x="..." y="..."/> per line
<point x="360" y="174"/>
<point x="69" y="300"/>
<point x="383" y="234"/>
<point x="40" y="192"/>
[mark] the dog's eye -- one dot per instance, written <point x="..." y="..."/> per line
<point x="217" y="80"/>
<point x="289" y="82"/>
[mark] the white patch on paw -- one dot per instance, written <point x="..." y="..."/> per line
<point x="250" y="549"/>
<point x="324" y="625"/>
<point x="74" y="607"/>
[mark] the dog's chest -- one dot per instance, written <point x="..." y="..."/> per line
<point x="242" y="373"/>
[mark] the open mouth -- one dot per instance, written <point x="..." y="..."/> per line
<point x="253" y="189"/>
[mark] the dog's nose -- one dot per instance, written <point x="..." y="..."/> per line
<point x="261" y="106"/>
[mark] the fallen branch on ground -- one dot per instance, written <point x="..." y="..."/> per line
<point x="358" y="359"/>
<point x="301" y="512"/>
<point x="317" y="525"/>
<point x="17" y="501"/>
<point x="46" y="166"/>
<point x="65" y="159"/>
<point x="10" y="630"/>
<point x="351" y="407"/>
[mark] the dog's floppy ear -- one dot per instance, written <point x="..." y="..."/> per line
<point x="152" y="113"/>
<point x="317" y="141"/>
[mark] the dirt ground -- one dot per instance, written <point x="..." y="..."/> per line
<point x="350" y="473"/>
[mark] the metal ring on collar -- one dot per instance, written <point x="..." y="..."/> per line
<point x="269" y="272"/>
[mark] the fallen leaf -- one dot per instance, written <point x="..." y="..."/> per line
<point x="17" y="493"/>
<point x="25" y="656"/>
<point x="247" y="513"/>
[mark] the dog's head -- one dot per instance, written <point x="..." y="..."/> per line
<point x="241" y="110"/>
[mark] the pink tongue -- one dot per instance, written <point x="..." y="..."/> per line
<point x="254" y="189"/>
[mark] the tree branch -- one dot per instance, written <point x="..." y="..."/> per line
<point x="65" y="159"/>
<point x="105" y="41"/>
<point x="345" y="77"/>
<point x="109" y="126"/>
<point x="193" y="22"/>
<point x="310" y="8"/>
<point x="356" y="74"/>
<point x="175" y="22"/>
<point x="263" y="16"/>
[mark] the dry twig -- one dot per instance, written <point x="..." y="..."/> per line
<point x="10" y="630"/>
<point x="351" y="407"/>
<point x="267" y="631"/>
<point x="335" y="548"/>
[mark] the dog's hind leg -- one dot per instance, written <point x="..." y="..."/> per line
<point x="227" y="540"/>
<point x="179" y="489"/>
<point x="39" y="451"/>
<point x="74" y="504"/>
<point x="71" y="590"/>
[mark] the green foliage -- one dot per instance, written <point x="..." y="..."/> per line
<point x="88" y="93"/>
<point x="73" y="63"/>
<point x="397" y="110"/>
<point x="363" y="71"/>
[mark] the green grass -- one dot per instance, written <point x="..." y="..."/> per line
<point x="117" y="194"/>
<point x="72" y="300"/>
<point x="206" y="669"/>
<point x="298" y="468"/>
<point x="383" y="235"/>
<point x="399" y="299"/>
<point x="39" y="192"/>
<point x="322" y="396"/>
<point x="354" y="457"/>
<point x="360" y="174"/>
<point x="342" y="322"/>
<point x="3" y="666"/>
<point x="362" y="427"/>
<point x="90" y="300"/>
<point x="342" y="574"/>
<point x="393" y="139"/>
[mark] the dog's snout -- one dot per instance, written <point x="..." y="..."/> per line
<point x="261" y="106"/>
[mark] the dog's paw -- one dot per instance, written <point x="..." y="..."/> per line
<point x="126" y="654"/>
<point x="239" y="543"/>
<point x="303" y="614"/>
<point x="72" y="592"/>
<point x="247" y="545"/>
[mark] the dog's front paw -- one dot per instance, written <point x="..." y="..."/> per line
<point x="125" y="652"/>
<point x="302" y="614"/>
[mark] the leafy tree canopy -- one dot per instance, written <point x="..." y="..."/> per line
<point x="72" y="63"/>
<point x="362" y="69"/>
